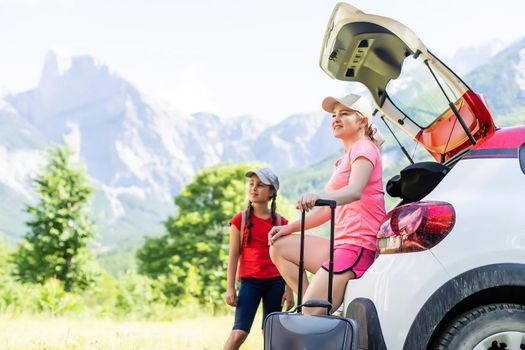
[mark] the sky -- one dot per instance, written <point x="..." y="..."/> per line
<point x="230" y="57"/>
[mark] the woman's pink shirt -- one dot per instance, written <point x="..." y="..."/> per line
<point x="358" y="222"/>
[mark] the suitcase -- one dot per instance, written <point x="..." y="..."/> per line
<point x="295" y="331"/>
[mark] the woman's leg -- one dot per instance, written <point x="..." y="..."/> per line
<point x="285" y="255"/>
<point x="350" y="261"/>
<point x="247" y="303"/>
<point x="318" y="289"/>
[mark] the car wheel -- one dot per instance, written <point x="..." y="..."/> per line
<point x="489" y="327"/>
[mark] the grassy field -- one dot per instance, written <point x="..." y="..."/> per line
<point x="41" y="333"/>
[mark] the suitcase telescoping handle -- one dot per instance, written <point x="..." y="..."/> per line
<point x="317" y="303"/>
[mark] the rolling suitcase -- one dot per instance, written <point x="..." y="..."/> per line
<point x="295" y="331"/>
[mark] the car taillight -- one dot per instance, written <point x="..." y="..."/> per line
<point x="416" y="226"/>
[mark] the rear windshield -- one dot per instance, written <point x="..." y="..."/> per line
<point x="417" y="94"/>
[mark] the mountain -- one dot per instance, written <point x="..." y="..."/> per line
<point x="502" y="82"/>
<point x="139" y="151"/>
<point x="20" y="155"/>
<point x="468" y="58"/>
<point x="299" y="139"/>
<point x="124" y="139"/>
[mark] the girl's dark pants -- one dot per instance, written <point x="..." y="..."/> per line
<point x="252" y="290"/>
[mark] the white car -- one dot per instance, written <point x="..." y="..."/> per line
<point x="451" y="267"/>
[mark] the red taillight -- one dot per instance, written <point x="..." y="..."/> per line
<point x="416" y="226"/>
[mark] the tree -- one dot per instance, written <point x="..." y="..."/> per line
<point x="4" y="256"/>
<point x="191" y="257"/>
<point x="59" y="230"/>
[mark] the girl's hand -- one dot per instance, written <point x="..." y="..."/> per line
<point x="306" y="201"/>
<point x="288" y="299"/>
<point x="231" y="296"/>
<point x="278" y="231"/>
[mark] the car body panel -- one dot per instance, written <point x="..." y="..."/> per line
<point x="489" y="229"/>
<point x="490" y="214"/>
<point x="397" y="303"/>
<point x="511" y="137"/>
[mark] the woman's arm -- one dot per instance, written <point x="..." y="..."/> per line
<point x="233" y="260"/>
<point x="315" y="218"/>
<point x="359" y="176"/>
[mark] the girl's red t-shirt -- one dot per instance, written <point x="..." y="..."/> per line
<point x="255" y="258"/>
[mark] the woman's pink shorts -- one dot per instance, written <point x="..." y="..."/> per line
<point x="349" y="257"/>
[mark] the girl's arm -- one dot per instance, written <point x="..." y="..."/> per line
<point x="233" y="260"/>
<point x="287" y="298"/>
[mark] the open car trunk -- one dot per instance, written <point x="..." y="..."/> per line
<point x="409" y="86"/>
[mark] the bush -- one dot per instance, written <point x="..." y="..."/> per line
<point x="132" y="296"/>
<point x="54" y="301"/>
<point x="138" y="295"/>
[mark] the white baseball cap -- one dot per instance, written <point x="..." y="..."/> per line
<point x="352" y="101"/>
<point x="359" y="104"/>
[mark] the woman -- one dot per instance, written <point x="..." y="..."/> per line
<point x="357" y="187"/>
<point x="259" y="277"/>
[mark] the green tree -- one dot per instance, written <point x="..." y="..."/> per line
<point x="4" y="256"/>
<point x="60" y="228"/>
<point x="190" y="258"/>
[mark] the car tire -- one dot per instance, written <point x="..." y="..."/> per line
<point x="501" y="326"/>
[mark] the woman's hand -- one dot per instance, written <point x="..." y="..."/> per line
<point x="288" y="299"/>
<point x="306" y="201"/>
<point x="231" y="296"/>
<point x="278" y="231"/>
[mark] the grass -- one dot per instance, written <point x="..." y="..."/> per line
<point x="34" y="332"/>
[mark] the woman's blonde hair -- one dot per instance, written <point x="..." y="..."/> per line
<point x="372" y="132"/>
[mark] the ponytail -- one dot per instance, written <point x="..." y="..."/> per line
<point x="249" y="223"/>
<point x="369" y="132"/>
<point x="274" y="209"/>
<point x="372" y="132"/>
<point x="374" y="135"/>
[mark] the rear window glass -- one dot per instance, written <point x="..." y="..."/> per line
<point x="417" y="94"/>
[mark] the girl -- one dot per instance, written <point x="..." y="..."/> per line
<point x="357" y="187"/>
<point x="259" y="277"/>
